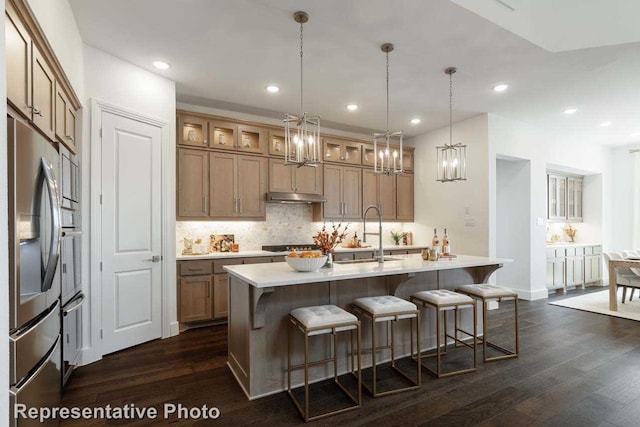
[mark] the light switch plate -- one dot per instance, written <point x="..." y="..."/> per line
<point x="540" y="221"/>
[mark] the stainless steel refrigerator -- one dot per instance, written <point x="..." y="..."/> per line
<point x="34" y="278"/>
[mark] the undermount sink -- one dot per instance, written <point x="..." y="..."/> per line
<point x="360" y="261"/>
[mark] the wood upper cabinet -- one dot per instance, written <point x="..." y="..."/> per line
<point x="195" y="298"/>
<point x="276" y="143"/>
<point x="340" y="151"/>
<point x="223" y="200"/>
<point x="193" y="183"/>
<point x="285" y="178"/>
<point x="251" y="186"/>
<point x="404" y="197"/>
<point x="223" y="135"/>
<point x="368" y="156"/>
<point x="192" y="131"/>
<point x="43" y="93"/>
<point x="18" y="56"/>
<point x="65" y="120"/>
<point x="407" y="158"/>
<point x="252" y="139"/>
<point x="238" y="186"/>
<point x="343" y="190"/>
<point x="392" y="193"/>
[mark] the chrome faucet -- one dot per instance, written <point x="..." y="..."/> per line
<point x="379" y="233"/>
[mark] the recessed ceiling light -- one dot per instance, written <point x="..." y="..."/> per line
<point x="605" y="124"/>
<point x="500" y="87"/>
<point x="415" y="121"/>
<point x="272" y="89"/>
<point x="570" y="111"/>
<point x="161" y="65"/>
<point x="352" y="107"/>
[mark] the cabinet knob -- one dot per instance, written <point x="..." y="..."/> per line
<point x="204" y="141"/>
<point x="36" y="110"/>
<point x="69" y="137"/>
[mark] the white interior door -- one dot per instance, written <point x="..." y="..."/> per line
<point x="131" y="233"/>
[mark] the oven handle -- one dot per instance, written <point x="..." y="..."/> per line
<point x="71" y="233"/>
<point x="78" y="301"/>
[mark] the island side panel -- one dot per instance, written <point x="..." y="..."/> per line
<point x="239" y="326"/>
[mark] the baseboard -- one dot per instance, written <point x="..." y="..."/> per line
<point x="532" y="295"/>
<point x="174" y="329"/>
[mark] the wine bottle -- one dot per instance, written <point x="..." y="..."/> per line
<point x="446" y="248"/>
<point x="435" y="242"/>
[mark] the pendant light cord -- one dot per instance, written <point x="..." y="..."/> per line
<point x="451" y="109"/>
<point x="387" y="92"/>
<point x="301" y="74"/>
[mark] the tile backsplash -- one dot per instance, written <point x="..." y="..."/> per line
<point x="286" y="223"/>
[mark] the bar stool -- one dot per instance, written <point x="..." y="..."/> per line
<point x="388" y="309"/>
<point x="319" y="320"/>
<point x="486" y="293"/>
<point x="443" y="300"/>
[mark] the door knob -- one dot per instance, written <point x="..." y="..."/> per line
<point x="155" y="258"/>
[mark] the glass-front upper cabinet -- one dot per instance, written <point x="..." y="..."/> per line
<point x="564" y="198"/>
<point x="192" y="131"/>
<point x="574" y="199"/>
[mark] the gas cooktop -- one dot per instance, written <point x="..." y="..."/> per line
<point x="289" y="248"/>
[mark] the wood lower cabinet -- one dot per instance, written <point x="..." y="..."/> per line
<point x="195" y="299"/>
<point x="343" y="191"/>
<point x="220" y="295"/>
<point x="192" y="183"/>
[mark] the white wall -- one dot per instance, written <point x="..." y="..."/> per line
<point x="120" y="83"/>
<point x="462" y="207"/>
<point x="622" y="199"/>
<point x="4" y="243"/>
<point x="59" y="25"/>
<point x="513" y="207"/>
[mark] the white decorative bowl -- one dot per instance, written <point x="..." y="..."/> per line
<point x="306" y="264"/>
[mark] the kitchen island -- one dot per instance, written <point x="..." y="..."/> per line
<point x="262" y="295"/>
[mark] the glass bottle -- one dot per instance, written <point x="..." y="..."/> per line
<point x="446" y="248"/>
<point x="435" y="242"/>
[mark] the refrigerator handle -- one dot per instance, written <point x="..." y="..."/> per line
<point x="77" y="302"/>
<point x="54" y="249"/>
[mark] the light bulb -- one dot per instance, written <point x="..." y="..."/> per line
<point x="395" y="154"/>
<point x="381" y="154"/>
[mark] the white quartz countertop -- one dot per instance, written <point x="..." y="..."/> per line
<point x="259" y="253"/>
<point x="571" y="245"/>
<point x="280" y="274"/>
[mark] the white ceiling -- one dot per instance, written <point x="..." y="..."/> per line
<point x="223" y="53"/>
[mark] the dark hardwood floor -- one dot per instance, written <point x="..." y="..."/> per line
<point x="575" y="369"/>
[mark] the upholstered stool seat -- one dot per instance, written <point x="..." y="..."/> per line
<point x="389" y="308"/>
<point x="486" y="293"/>
<point x="443" y="300"/>
<point x="319" y="320"/>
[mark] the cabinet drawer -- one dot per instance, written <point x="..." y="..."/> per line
<point x="414" y="251"/>
<point x="194" y="268"/>
<point x="570" y="252"/>
<point x="218" y="264"/>
<point x="597" y="250"/>
<point x="588" y="250"/>
<point x="342" y="256"/>
<point x="277" y="259"/>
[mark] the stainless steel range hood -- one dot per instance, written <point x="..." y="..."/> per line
<point x="295" y="198"/>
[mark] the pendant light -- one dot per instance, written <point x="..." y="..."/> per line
<point x="302" y="132"/>
<point x="388" y="158"/>
<point x="451" y="158"/>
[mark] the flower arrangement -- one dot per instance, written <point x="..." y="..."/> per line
<point x="570" y="232"/>
<point x="397" y="236"/>
<point x="327" y="241"/>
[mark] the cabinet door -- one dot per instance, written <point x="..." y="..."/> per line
<point x="351" y="153"/>
<point x="574" y="199"/>
<point x="195" y="299"/>
<point x="352" y="193"/>
<point x="222" y="187"/>
<point x="193" y="183"/>
<point x="332" y="150"/>
<point x="552" y="200"/>
<point x="281" y="176"/>
<point x="70" y="125"/>
<point x="407" y="159"/>
<point x="62" y="103"/>
<point x="387" y="196"/>
<point x="332" y="208"/>
<point x="562" y="198"/>
<point x="404" y="197"/>
<point x="369" y="188"/>
<point x="251" y="186"/>
<point x="223" y="135"/>
<point x="252" y="139"/>
<point x="43" y="95"/>
<point x="276" y="143"/>
<point x="192" y="131"/>
<point x="368" y="156"/>
<point x="307" y="180"/>
<point x="220" y="296"/>
<point x="18" y="57"/>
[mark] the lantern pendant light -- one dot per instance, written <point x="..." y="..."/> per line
<point x="451" y="158"/>
<point x="302" y="132"/>
<point x="387" y="146"/>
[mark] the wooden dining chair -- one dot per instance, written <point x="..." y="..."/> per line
<point x="625" y="277"/>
